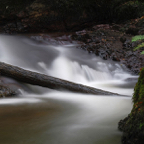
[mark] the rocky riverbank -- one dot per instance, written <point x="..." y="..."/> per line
<point x="114" y="42"/>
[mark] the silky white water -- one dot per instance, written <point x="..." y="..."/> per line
<point x="41" y="115"/>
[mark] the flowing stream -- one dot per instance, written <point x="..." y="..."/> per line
<point x="43" y="116"/>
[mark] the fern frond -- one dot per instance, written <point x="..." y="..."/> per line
<point x="138" y="37"/>
<point x="139" y="46"/>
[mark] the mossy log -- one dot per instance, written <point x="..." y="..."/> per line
<point x="35" y="78"/>
<point x="133" y="125"/>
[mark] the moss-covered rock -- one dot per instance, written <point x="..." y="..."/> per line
<point x="133" y="125"/>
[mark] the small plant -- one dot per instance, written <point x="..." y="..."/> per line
<point x="136" y="38"/>
<point x="141" y="125"/>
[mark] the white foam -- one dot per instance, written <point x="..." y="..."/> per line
<point x="12" y="101"/>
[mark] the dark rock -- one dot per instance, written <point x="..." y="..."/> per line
<point x="132" y="31"/>
<point x="123" y="39"/>
<point x="103" y="54"/>
<point x="97" y="52"/>
<point x="129" y="53"/>
<point x="96" y="40"/>
<point x="5" y="91"/>
<point x="20" y="26"/>
<point x="140" y="23"/>
<point x="116" y="27"/>
<point x="141" y="32"/>
<point x="114" y="57"/>
<point x="127" y="44"/>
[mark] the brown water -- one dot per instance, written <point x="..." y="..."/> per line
<point x="55" y="119"/>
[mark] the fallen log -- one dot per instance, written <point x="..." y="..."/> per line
<point x="35" y="78"/>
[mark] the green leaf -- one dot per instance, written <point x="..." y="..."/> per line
<point x="138" y="37"/>
<point x="142" y="52"/>
<point x="139" y="46"/>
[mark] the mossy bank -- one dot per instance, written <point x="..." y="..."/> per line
<point x="133" y="125"/>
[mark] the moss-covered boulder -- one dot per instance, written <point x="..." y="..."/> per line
<point x="133" y="125"/>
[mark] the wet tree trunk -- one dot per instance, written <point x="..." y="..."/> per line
<point x="35" y="78"/>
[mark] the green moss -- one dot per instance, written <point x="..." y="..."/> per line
<point x="133" y="125"/>
<point x="141" y="126"/>
<point x="138" y="37"/>
<point x="138" y="95"/>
